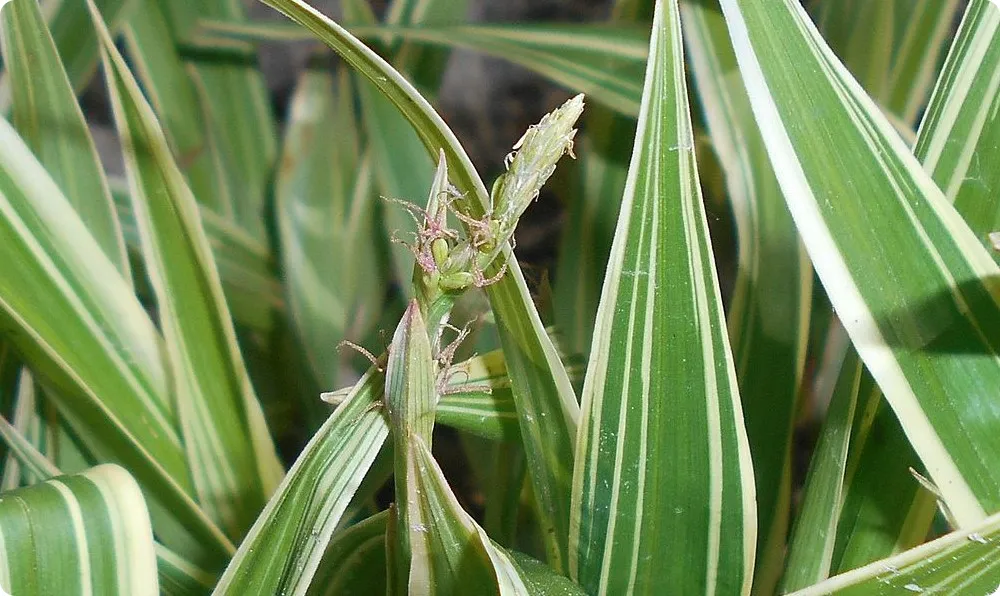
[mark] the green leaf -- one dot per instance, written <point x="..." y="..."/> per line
<point x="546" y="405"/>
<point x="76" y="321"/>
<point x="245" y="265"/>
<point x="963" y="562"/>
<point x="885" y="509"/>
<point x="916" y="291"/>
<point x="574" y="56"/>
<point x="173" y="91"/>
<point x="232" y="459"/>
<point x="284" y="547"/>
<point x="81" y="534"/>
<point x="35" y="417"/>
<point x="25" y="453"/>
<point x="810" y="550"/>
<point x="451" y="553"/>
<point x="769" y="311"/>
<point x="48" y="118"/>
<point x="896" y="55"/>
<point x="234" y="97"/>
<point x="959" y="135"/>
<point x="324" y="207"/>
<point x="410" y="398"/>
<point x="478" y="399"/>
<point x="75" y="40"/>
<point x="179" y="577"/>
<point x="662" y="458"/>
<point x="354" y="563"/>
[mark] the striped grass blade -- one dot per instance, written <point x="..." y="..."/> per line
<point x="769" y="312"/>
<point x="410" y="398"/>
<point x="84" y="332"/>
<point x="76" y="42"/>
<point x="107" y="550"/>
<point x="283" y="549"/>
<point x="916" y="291"/>
<point x="810" y="552"/>
<point x="963" y="562"/>
<point x="234" y="99"/>
<point x="478" y="399"/>
<point x="451" y="552"/>
<point x="897" y="54"/>
<point x="176" y="94"/>
<point x="663" y="463"/>
<point x="47" y="116"/>
<point x="246" y="266"/>
<point x="230" y="454"/>
<point x="885" y="509"/>
<point x="354" y="563"/>
<point x="574" y="56"/>
<point x="324" y="204"/>
<point x="959" y="141"/>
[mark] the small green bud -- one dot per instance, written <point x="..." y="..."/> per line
<point x="454" y="282"/>
<point x="440" y="250"/>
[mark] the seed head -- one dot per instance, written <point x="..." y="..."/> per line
<point x="533" y="161"/>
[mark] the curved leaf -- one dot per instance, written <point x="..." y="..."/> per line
<point x="82" y="534"/>
<point x="916" y="291"/>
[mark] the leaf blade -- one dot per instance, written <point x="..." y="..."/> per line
<point x="630" y="483"/>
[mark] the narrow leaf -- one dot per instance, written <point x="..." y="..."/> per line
<point x="810" y="552"/>
<point x="49" y="119"/>
<point x="916" y="291"/>
<point x="959" y="135"/>
<point x="82" y="330"/>
<point x="81" y="534"/>
<point x="963" y="562"/>
<point x="233" y="461"/>
<point x="663" y="463"/>
<point x="283" y="549"/>
<point x="769" y="310"/>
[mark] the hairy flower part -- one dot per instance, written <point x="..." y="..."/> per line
<point x="995" y="240"/>
<point x="532" y="162"/>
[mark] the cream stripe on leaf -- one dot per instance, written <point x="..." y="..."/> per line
<point x="915" y="289"/>
<point x="663" y="463"/>
<point x="952" y="129"/>
<point x="603" y="62"/>
<point x="451" y="552"/>
<point x="239" y="123"/>
<point x="83" y="331"/>
<point x="283" y="549"/>
<point x="82" y="534"/>
<point x="963" y="562"/>
<point x="232" y="459"/>
<point x="48" y="117"/>
<point x="177" y="575"/>
<point x="173" y="90"/>
<point x="769" y="312"/>
<point x="354" y="563"/>
<point x="811" y="546"/>
<point x="959" y="143"/>
<point x="77" y="45"/>
<point x="467" y="405"/>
